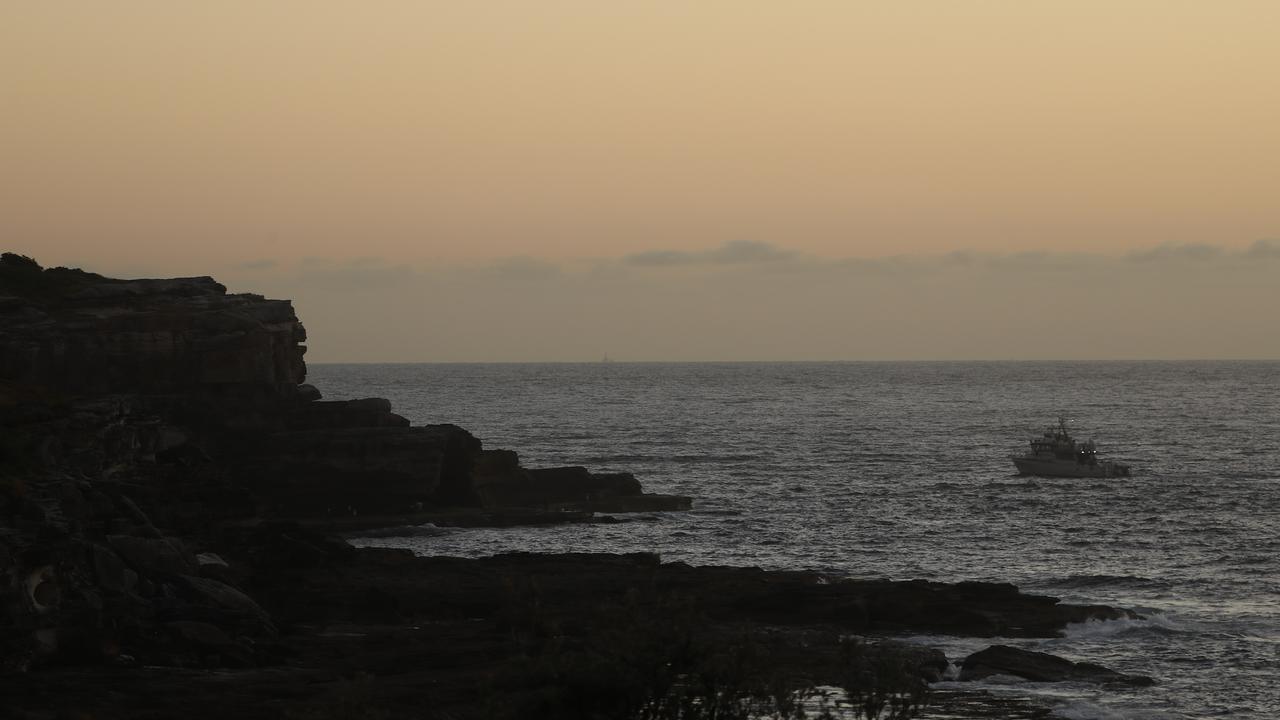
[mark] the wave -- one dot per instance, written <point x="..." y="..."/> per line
<point x="427" y="530"/>
<point x="1155" y="624"/>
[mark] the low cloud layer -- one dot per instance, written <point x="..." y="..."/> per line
<point x="748" y="255"/>
<point x="739" y="252"/>
<point x="755" y="301"/>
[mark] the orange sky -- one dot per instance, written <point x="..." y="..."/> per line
<point x="171" y="138"/>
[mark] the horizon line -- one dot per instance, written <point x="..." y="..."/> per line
<point x="612" y="361"/>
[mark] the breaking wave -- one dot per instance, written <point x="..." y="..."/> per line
<point x="427" y="530"/>
<point x="1154" y="624"/>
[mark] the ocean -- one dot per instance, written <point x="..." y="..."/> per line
<point x="901" y="470"/>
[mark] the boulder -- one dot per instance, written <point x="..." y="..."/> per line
<point x="212" y="566"/>
<point x="211" y="645"/>
<point x="1040" y="667"/>
<point x="201" y="634"/>
<point x="218" y="594"/>
<point x="308" y="393"/>
<point x="927" y="663"/>
<point x="110" y="571"/>
<point x="205" y="560"/>
<point x="154" y="556"/>
<point x="977" y="609"/>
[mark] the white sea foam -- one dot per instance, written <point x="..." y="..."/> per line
<point x="1000" y="679"/>
<point x="426" y="530"/>
<point x="1093" y="629"/>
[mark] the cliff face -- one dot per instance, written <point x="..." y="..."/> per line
<point x="162" y="476"/>
<point x="85" y="334"/>
<point x="115" y="405"/>
<point x="130" y="376"/>
<point x="145" y="422"/>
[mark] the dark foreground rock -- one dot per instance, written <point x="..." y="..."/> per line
<point x="511" y="636"/>
<point x="1041" y="667"/>
<point x="138" y="377"/>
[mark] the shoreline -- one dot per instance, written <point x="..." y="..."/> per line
<point x="383" y="625"/>
<point x="170" y="490"/>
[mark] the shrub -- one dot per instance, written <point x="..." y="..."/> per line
<point x="655" y="657"/>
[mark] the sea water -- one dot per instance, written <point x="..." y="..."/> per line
<point x="901" y="470"/>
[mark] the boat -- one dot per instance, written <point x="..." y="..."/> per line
<point x="1057" y="454"/>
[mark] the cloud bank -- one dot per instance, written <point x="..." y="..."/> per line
<point x="759" y="301"/>
<point x="738" y="252"/>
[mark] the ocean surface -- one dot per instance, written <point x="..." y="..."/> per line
<point x="901" y="470"/>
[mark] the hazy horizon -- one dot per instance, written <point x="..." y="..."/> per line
<point x="719" y="181"/>
<point x="979" y="361"/>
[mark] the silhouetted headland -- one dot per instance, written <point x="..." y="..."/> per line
<point x="170" y="494"/>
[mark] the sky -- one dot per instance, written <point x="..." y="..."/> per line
<point x="715" y="180"/>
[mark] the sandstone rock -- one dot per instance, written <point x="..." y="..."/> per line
<point x="330" y="414"/>
<point x="460" y="448"/>
<point x="563" y="483"/>
<point x="1040" y="667"/>
<point x="199" y="633"/>
<point x="209" y="642"/>
<point x="500" y="481"/>
<point x="212" y="566"/>
<point x="133" y="512"/>
<point x="87" y="334"/>
<point x="43" y="589"/>
<point x="209" y="559"/>
<point x="110" y="570"/>
<point x="154" y="556"/>
<point x="360" y="470"/>
<point x="219" y="594"/>
<point x="98" y="505"/>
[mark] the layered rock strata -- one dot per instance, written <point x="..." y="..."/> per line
<point x="142" y="421"/>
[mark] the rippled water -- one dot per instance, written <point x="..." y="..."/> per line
<point x="901" y="470"/>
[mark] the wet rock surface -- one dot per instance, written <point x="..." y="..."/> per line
<point x="1041" y="667"/>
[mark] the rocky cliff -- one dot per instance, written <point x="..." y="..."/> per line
<point x="146" y="423"/>
<point x="166" y="481"/>
<point x="83" y="334"/>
